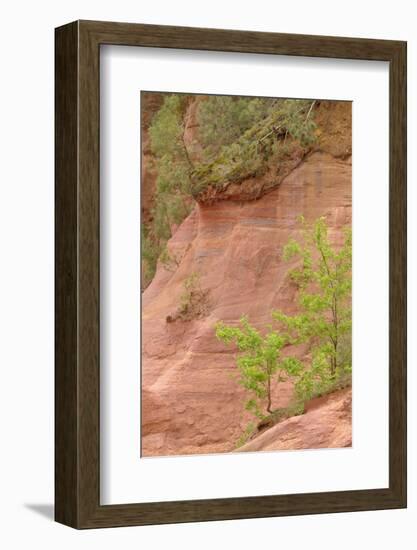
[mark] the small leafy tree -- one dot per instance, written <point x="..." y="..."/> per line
<point x="260" y="362"/>
<point x="325" y="283"/>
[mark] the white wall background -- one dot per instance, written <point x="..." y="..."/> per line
<point x="26" y="273"/>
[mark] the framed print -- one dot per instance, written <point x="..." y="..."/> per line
<point x="230" y="274"/>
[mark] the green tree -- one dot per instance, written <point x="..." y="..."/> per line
<point x="325" y="284"/>
<point x="173" y="165"/>
<point x="166" y="127"/>
<point x="259" y="362"/>
<point x="173" y="200"/>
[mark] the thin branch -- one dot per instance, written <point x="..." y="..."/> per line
<point x="309" y="111"/>
<point x="187" y="156"/>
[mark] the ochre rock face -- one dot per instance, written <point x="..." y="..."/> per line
<point x="326" y="424"/>
<point x="191" y="402"/>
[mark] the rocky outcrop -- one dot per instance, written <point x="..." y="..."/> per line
<point x="211" y="182"/>
<point x="327" y="423"/>
<point x="191" y="402"/>
<point x="252" y="188"/>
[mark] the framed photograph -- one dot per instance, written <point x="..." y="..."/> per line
<point x="230" y="274"/>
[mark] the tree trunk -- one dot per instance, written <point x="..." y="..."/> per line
<point x="335" y="341"/>
<point x="268" y="408"/>
<point x="333" y="365"/>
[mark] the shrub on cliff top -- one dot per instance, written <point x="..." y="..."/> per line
<point x="247" y="156"/>
<point x="223" y="119"/>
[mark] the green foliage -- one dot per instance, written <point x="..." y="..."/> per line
<point x="165" y="130"/>
<point x="249" y="430"/>
<point x="149" y="257"/>
<point x="299" y="122"/>
<point x="173" y="165"/>
<point x="247" y="156"/>
<point x="193" y="300"/>
<point x="223" y="119"/>
<point x="172" y="197"/>
<point x="191" y="285"/>
<point x="169" y="261"/>
<point x="293" y="409"/>
<point x="325" y="283"/>
<point x="323" y="277"/>
<point x="259" y="362"/>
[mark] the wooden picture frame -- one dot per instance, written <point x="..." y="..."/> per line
<point x="77" y="359"/>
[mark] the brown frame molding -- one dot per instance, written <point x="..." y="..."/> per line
<point x="77" y="376"/>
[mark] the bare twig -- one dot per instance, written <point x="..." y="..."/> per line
<point x="309" y="111"/>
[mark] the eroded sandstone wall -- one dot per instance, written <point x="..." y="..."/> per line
<point x="191" y="402"/>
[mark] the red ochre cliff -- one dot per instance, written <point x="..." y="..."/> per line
<point x="191" y="402"/>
